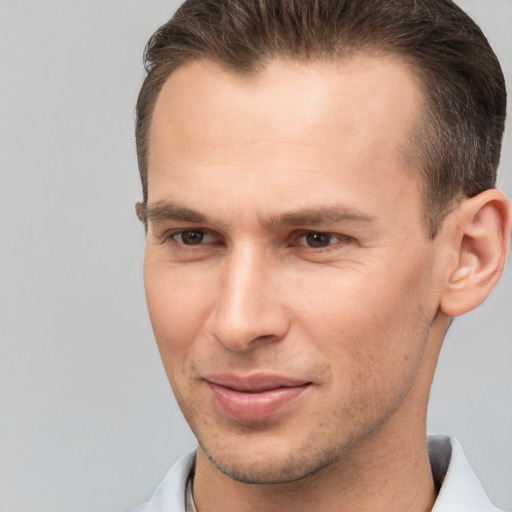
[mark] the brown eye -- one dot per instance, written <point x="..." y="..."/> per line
<point x="191" y="237"/>
<point x="318" y="240"/>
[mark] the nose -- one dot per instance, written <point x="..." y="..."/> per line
<point x="250" y="309"/>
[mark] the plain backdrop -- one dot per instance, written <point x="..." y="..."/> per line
<point x="87" y="419"/>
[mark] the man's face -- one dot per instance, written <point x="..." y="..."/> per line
<point x="289" y="277"/>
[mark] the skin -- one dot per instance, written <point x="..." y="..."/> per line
<point x="313" y="262"/>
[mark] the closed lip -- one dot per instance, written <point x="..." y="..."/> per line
<point x="255" y="383"/>
<point x="255" y="397"/>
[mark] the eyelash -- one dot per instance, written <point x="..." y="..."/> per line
<point x="173" y="235"/>
<point x="335" y="238"/>
<point x="295" y="240"/>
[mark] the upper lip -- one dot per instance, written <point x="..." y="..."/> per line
<point x="256" y="382"/>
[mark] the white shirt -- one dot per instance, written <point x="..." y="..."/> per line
<point x="459" y="488"/>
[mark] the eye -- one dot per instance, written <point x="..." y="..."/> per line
<point x="192" y="237"/>
<point x="319" y="240"/>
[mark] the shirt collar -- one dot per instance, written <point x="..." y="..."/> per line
<point x="459" y="488"/>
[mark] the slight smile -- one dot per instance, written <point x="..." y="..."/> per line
<point x="256" y="397"/>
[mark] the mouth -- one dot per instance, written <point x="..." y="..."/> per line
<point x="255" y="397"/>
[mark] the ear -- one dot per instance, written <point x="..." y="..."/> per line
<point x="478" y="232"/>
<point x="141" y="215"/>
<point x="139" y="211"/>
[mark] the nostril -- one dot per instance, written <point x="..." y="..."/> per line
<point x="247" y="337"/>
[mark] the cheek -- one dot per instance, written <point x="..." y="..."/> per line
<point x="376" y="321"/>
<point x="179" y="303"/>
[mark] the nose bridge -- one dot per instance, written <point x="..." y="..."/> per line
<point x="248" y="307"/>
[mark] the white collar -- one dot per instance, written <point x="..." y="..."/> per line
<point x="459" y="488"/>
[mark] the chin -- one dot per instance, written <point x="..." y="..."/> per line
<point x="271" y="467"/>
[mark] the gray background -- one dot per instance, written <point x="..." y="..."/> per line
<point x="87" y="420"/>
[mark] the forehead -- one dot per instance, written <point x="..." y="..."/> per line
<point x="383" y="87"/>
<point x="290" y="125"/>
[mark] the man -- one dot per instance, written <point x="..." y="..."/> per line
<point x="318" y="194"/>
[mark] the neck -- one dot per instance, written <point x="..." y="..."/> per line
<point x="394" y="476"/>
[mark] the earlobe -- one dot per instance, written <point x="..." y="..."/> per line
<point x="480" y="239"/>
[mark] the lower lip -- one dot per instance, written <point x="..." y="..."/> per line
<point x="254" y="406"/>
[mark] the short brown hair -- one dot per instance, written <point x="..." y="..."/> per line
<point x="457" y="144"/>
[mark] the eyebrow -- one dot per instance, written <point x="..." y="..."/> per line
<point x="319" y="216"/>
<point x="309" y="216"/>
<point x="170" y="211"/>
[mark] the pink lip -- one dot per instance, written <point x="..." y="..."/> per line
<point x="254" y="397"/>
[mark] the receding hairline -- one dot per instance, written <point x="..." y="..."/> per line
<point x="456" y="145"/>
<point x="408" y="148"/>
